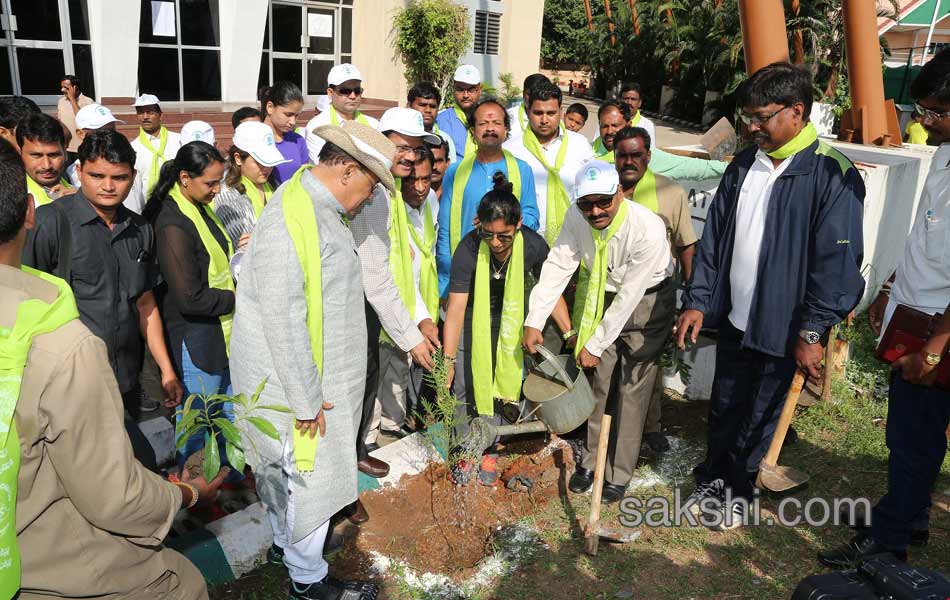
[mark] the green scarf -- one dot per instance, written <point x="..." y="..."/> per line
<point x="601" y="152"/>
<point x="400" y="255"/>
<point x="357" y="116"/>
<point x="428" y="272"/>
<point x="636" y="119"/>
<point x="523" y="118"/>
<point x="158" y="156"/>
<point x="645" y="192"/>
<point x="589" y="311"/>
<point x="34" y="317"/>
<point x="40" y="197"/>
<point x="470" y="147"/>
<point x="504" y="381"/>
<point x="557" y="199"/>
<point x="253" y="194"/>
<point x="219" y="268"/>
<point x="804" y="139"/>
<point x="462" y="175"/>
<point x="300" y="219"/>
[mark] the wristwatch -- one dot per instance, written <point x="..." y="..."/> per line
<point x="809" y="337"/>
<point x="932" y="359"/>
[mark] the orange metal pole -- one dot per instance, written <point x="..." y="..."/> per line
<point x="864" y="70"/>
<point x="633" y="13"/>
<point x="590" y="16"/>
<point x="763" y="33"/>
<point x="798" y="39"/>
<point x="610" y="24"/>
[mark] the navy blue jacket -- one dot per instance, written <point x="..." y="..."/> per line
<point x="809" y="273"/>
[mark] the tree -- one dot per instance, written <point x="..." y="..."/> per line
<point x="564" y="33"/>
<point x="431" y="36"/>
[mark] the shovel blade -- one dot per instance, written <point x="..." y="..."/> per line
<point x="778" y="478"/>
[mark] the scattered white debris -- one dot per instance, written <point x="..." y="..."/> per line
<point x="674" y="466"/>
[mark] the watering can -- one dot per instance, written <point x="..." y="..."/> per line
<point x="558" y="394"/>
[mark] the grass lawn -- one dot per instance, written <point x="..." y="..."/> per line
<point x="841" y="446"/>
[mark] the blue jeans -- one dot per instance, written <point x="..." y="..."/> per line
<point x="196" y="381"/>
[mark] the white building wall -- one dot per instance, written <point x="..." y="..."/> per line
<point x="489" y="65"/>
<point x="114" y="32"/>
<point x="242" y="39"/>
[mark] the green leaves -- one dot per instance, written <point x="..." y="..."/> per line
<point x="265" y="427"/>
<point x="430" y="36"/>
<point x="212" y="458"/>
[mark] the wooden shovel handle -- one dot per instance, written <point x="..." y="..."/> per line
<point x="592" y="533"/>
<point x="788" y="410"/>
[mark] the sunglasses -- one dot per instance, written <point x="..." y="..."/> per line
<point x="930" y="114"/>
<point x="588" y="205"/>
<point x="504" y="238"/>
<point x="756" y="120"/>
<point x="345" y="91"/>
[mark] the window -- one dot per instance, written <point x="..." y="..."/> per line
<point x="487" y="32"/>
<point x="82" y="48"/>
<point x="180" y="50"/>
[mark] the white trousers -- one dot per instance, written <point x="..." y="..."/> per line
<point x="389" y="412"/>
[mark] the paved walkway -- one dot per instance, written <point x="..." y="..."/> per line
<point x="668" y="135"/>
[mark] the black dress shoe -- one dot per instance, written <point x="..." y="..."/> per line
<point x="399" y="434"/>
<point x="856" y="551"/>
<point x="331" y="588"/>
<point x="581" y="480"/>
<point x="373" y="467"/>
<point x="918" y="537"/>
<point x="356" y="513"/>
<point x="791" y="436"/>
<point x="612" y="493"/>
<point x="656" y="441"/>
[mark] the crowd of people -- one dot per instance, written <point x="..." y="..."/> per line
<point x="332" y="261"/>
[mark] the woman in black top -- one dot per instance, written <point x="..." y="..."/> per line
<point x="197" y="299"/>
<point x="498" y="230"/>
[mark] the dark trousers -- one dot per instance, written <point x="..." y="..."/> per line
<point x="141" y="448"/>
<point x="373" y="329"/>
<point x="747" y="396"/>
<point x="917" y="418"/>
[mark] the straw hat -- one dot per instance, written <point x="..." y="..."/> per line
<point x="367" y="146"/>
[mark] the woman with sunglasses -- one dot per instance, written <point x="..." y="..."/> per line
<point x="281" y="103"/>
<point x="493" y="269"/>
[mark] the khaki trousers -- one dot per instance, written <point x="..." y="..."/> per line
<point x="623" y="384"/>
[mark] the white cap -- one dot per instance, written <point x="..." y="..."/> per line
<point x="95" y="116"/>
<point x="407" y="121"/>
<point x="323" y="103"/>
<point x="146" y="100"/>
<point x="257" y="139"/>
<point x="467" y="74"/>
<point x="596" y="178"/>
<point x="343" y="72"/>
<point x="197" y="131"/>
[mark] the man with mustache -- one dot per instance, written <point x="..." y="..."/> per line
<point x="779" y="264"/>
<point x="468" y="180"/>
<point x="519" y="112"/>
<point x="440" y="164"/>
<point x="345" y="92"/>
<point x="153" y="146"/>
<point x="426" y="98"/>
<point x="43" y="150"/>
<point x="466" y="89"/>
<point x="622" y="313"/>
<point x="631" y="95"/>
<point x="669" y="201"/>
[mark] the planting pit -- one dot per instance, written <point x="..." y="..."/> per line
<point x="428" y="524"/>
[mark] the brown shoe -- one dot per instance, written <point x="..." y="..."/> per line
<point x="356" y="513"/>
<point x="373" y="467"/>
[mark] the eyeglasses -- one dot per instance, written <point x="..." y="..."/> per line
<point x="345" y="91"/>
<point x="930" y="114"/>
<point x="755" y="120"/>
<point x="601" y="203"/>
<point x="408" y="150"/>
<point x="504" y="238"/>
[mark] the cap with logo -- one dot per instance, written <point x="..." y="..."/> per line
<point x="408" y="122"/>
<point x="323" y="103"/>
<point x="197" y="131"/>
<point x="257" y="139"/>
<point x="95" y="116"/>
<point x="596" y="178"/>
<point x="467" y="74"/>
<point x="343" y="72"/>
<point x="146" y="100"/>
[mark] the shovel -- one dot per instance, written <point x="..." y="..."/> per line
<point x="772" y="476"/>
<point x="594" y="530"/>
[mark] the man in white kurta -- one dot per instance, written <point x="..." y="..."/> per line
<point x="271" y="341"/>
<point x="154" y="144"/>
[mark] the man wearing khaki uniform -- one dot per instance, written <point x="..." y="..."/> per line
<point x="623" y="307"/>
<point x="90" y="519"/>
<point x="669" y="201"/>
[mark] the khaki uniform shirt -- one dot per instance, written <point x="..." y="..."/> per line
<point x="674" y="211"/>
<point x="90" y="519"/>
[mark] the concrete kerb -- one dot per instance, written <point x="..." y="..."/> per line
<point x="236" y="544"/>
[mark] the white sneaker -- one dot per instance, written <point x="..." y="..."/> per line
<point x="732" y="517"/>
<point x="712" y="490"/>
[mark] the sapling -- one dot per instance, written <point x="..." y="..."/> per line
<point x="191" y="420"/>
<point x="440" y="415"/>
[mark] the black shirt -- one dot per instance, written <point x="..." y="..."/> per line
<point x="107" y="269"/>
<point x="462" y="277"/>
<point x="190" y="308"/>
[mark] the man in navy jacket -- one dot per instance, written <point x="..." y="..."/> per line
<point x="778" y="265"/>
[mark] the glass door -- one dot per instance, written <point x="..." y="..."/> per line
<point x="301" y="45"/>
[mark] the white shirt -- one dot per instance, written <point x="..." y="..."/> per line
<point x="638" y="258"/>
<point x="651" y="129"/>
<point x="416" y="220"/>
<point x="143" y="168"/>
<point x="518" y="124"/>
<point x="315" y="142"/>
<point x="923" y="273"/>
<point x="579" y="153"/>
<point x="751" y="211"/>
